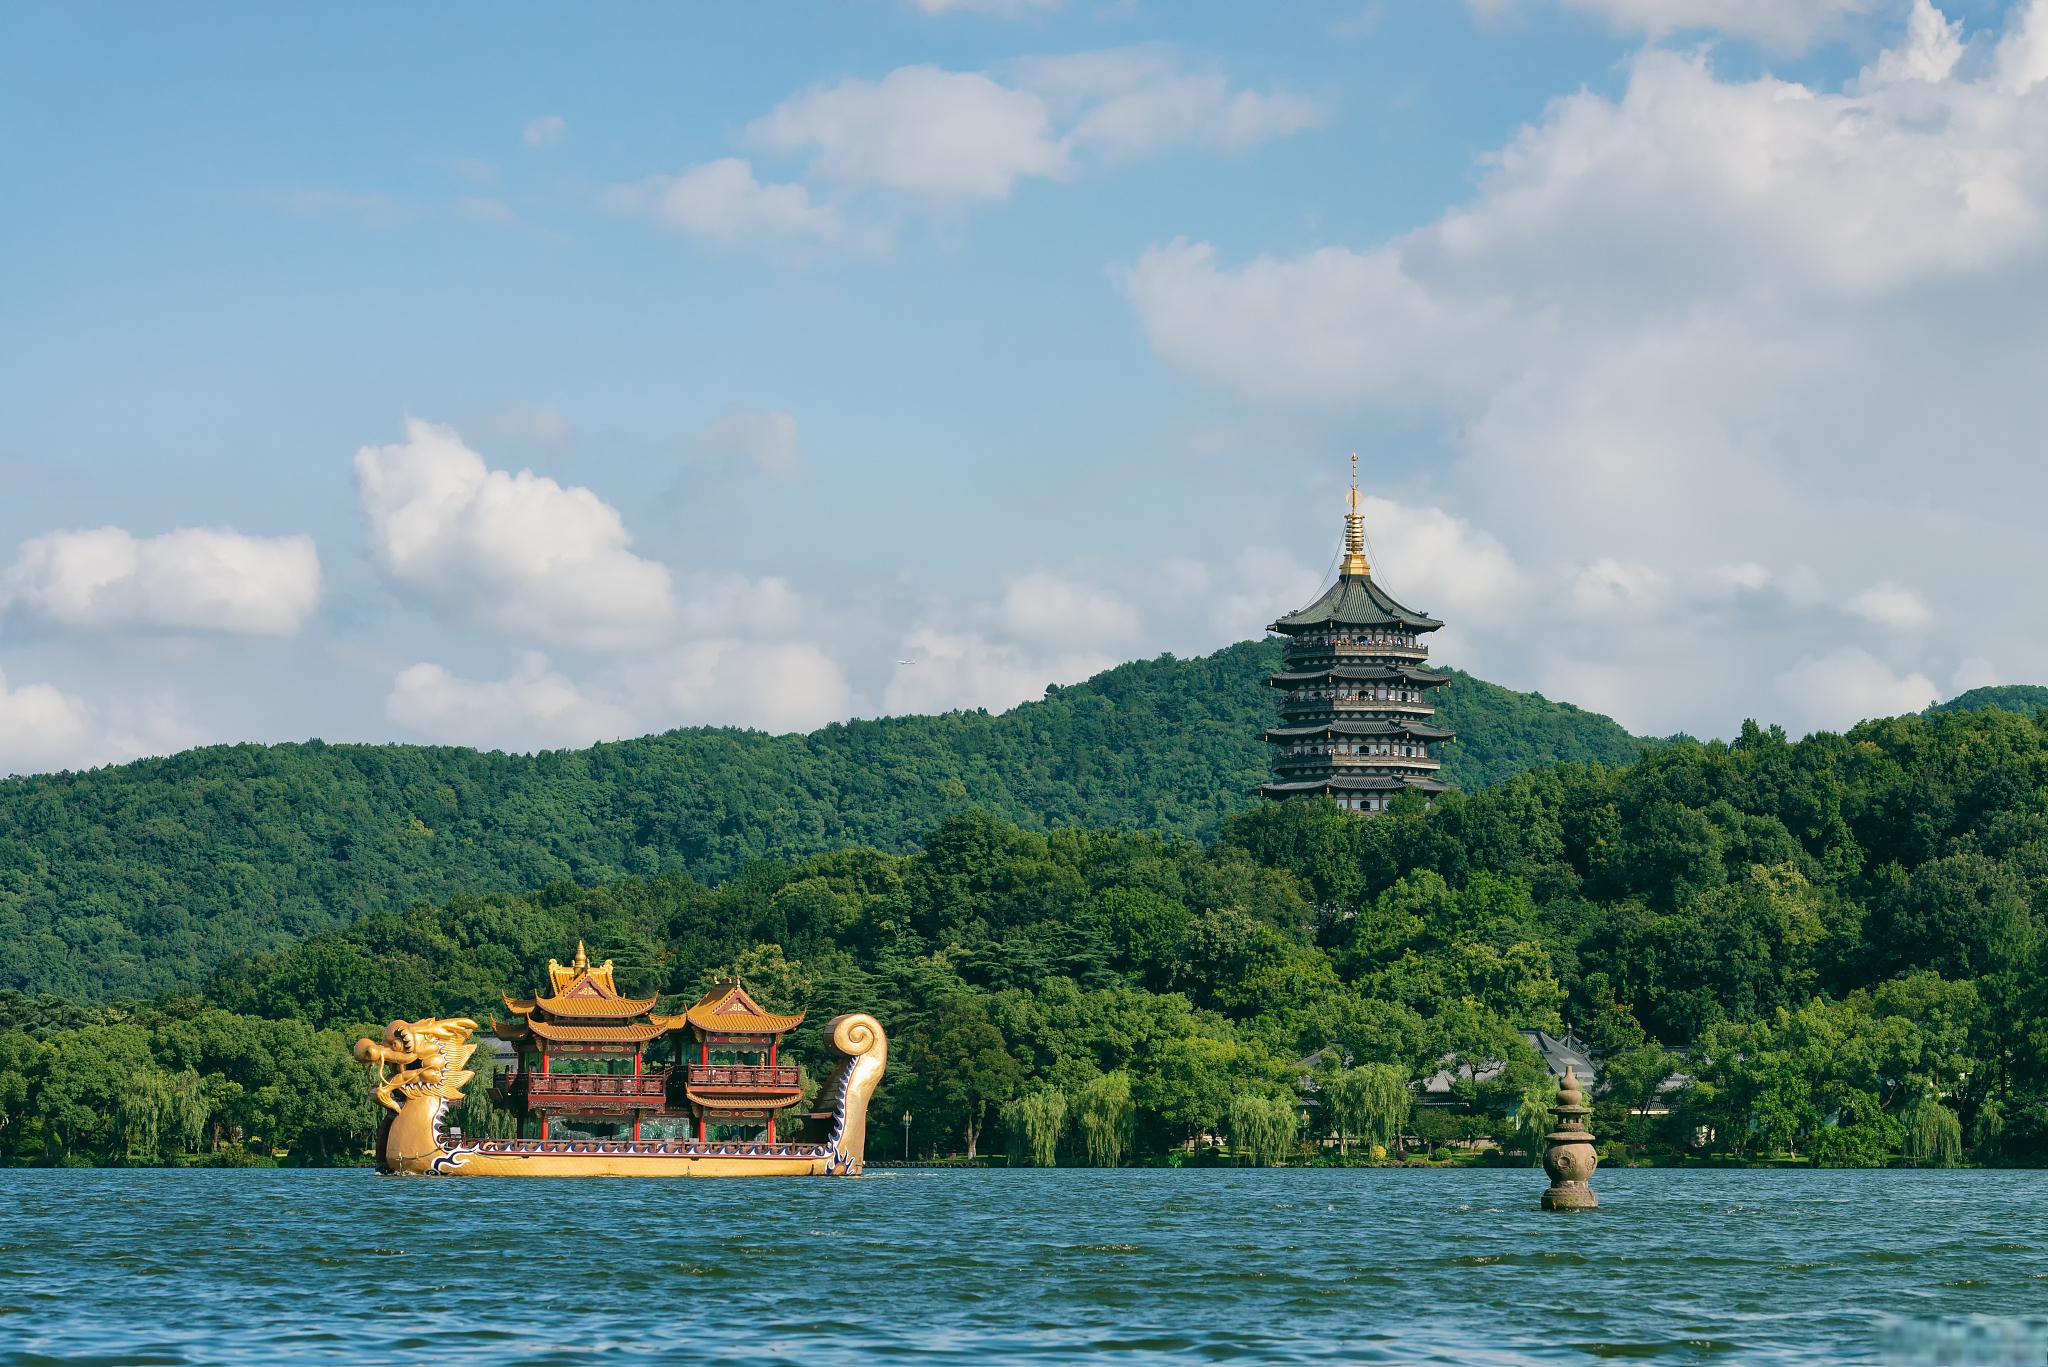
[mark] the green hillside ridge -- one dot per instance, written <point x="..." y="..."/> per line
<point x="137" y="879"/>
<point x="2027" y="699"/>
<point x="1847" y="934"/>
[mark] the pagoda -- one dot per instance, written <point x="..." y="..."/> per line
<point x="739" y="1078"/>
<point x="1356" y="722"/>
<point x="582" y="1051"/>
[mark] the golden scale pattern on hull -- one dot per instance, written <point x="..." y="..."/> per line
<point x="420" y="1073"/>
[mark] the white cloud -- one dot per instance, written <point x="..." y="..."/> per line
<point x="1126" y="103"/>
<point x="545" y="131"/>
<point x="723" y="202"/>
<point x="536" y="424"/>
<point x="965" y="670"/>
<point x="1456" y="569"/>
<point x="42" y="727"/>
<point x="193" y="579"/>
<point x="1847" y="685"/>
<point x="1975" y="672"/>
<point x="954" y="136"/>
<point x="1044" y="607"/>
<point x="1684" y="346"/>
<point x="1268" y="584"/>
<point x="1743" y="575"/>
<point x="1931" y="49"/>
<point x="520" y="553"/>
<point x="919" y="130"/>
<point x="732" y="604"/>
<point x="534" y="709"/>
<point x="1785" y="25"/>
<point x="1614" y="588"/>
<point x="775" y="686"/>
<point x="1889" y="605"/>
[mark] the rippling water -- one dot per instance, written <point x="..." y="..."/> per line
<point x="1275" y="1266"/>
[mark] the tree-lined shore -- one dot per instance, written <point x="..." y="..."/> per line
<point x="1825" y="950"/>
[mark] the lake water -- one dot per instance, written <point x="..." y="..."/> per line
<point x="936" y="1266"/>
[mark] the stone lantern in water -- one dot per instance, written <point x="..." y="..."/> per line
<point x="1569" y="1157"/>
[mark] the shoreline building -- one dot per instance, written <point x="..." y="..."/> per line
<point x="1356" y="722"/>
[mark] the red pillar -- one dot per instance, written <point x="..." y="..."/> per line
<point x="636" y="1063"/>
<point x="543" y="1062"/>
<point x="636" y="1127"/>
<point x="771" y="1053"/>
<point x="771" y="1129"/>
<point x="700" y="1127"/>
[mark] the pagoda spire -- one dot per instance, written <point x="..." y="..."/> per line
<point x="1354" y="528"/>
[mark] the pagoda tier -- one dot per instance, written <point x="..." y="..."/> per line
<point x="725" y="1086"/>
<point x="1356" y="719"/>
<point x="584" y="1023"/>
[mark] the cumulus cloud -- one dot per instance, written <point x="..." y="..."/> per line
<point x="732" y="604"/>
<point x="775" y="686"/>
<point x="965" y="670"/>
<point x="517" y="553"/>
<point x="43" y="727"/>
<point x="1844" y="686"/>
<point x="1266" y="584"/>
<point x="1125" y="103"/>
<point x="193" y="579"/>
<point x="723" y="202"/>
<point x="1464" y="572"/>
<point x="1687" y="333"/>
<point x="546" y="131"/>
<point x="1045" y="607"/>
<point x="920" y="130"/>
<point x="535" y="708"/>
<point x="1889" y="605"/>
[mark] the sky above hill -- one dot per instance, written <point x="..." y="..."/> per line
<point x="520" y="376"/>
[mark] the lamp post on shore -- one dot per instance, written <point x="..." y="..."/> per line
<point x="906" y="1134"/>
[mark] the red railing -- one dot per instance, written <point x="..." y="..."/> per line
<point x="780" y="1077"/>
<point x="541" y="1089"/>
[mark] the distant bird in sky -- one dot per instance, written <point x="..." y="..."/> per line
<point x="906" y="662"/>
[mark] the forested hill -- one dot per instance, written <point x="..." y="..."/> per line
<point x="136" y="879"/>
<point x="2027" y="699"/>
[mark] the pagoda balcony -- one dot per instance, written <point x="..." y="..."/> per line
<point x="743" y="1077"/>
<point x="581" y="1091"/>
<point x="1351" y="653"/>
<point x="1300" y="707"/>
<point x="1320" y="760"/>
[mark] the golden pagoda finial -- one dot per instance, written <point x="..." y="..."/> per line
<point x="1354" y="527"/>
<point x="582" y="958"/>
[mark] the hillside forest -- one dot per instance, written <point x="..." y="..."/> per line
<point x="137" y="880"/>
<point x="1826" y="950"/>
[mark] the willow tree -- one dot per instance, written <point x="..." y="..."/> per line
<point x="1934" y="1134"/>
<point x="1369" y="1102"/>
<point x="1262" y="1128"/>
<point x="1107" y="1117"/>
<point x="160" y="1115"/>
<point x="1037" y="1121"/>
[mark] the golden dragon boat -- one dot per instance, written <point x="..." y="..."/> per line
<point x="420" y="1068"/>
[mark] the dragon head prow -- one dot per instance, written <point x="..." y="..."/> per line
<point x="428" y="1056"/>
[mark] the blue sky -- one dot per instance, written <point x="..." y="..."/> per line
<point x="522" y="378"/>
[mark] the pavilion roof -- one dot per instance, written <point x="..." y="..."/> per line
<point x="1355" y="600"/>
<point x="580" y="990"/>
<point x="631" y="1032"/>
<point x="727" y="1009"/>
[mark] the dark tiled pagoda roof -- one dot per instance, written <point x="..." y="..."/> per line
<point x="1354" y="783"/>
<point x="1421" y="678"/>
<point x="1413" y="729"/>
<point x="1355" y="600"/>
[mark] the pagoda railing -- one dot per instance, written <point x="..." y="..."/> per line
<point x="551" y="1089"/>
<point x="778" y="1077"/>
